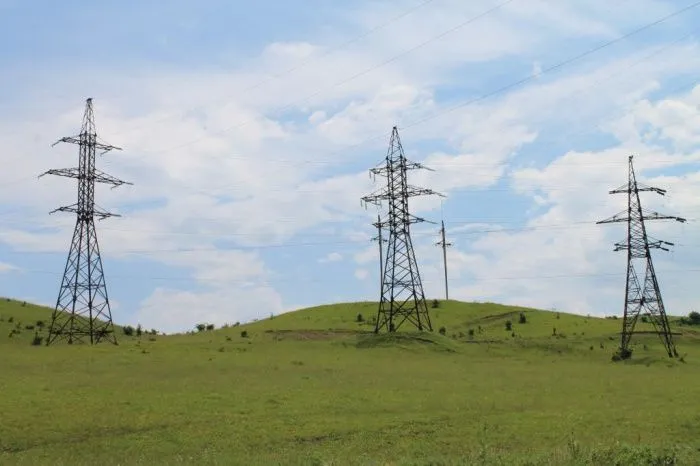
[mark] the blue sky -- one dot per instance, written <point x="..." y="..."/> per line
<point x="248" y="130"/>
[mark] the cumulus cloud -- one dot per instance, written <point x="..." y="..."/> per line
<point x="242" y="158"/>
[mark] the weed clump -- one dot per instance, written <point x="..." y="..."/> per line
<point x="509" y="325"/>
<point x="522" y="319"/>
<point x="359" y="318"/>
<point x="442" y="330"/>
<point x="692" y="319"/>
<point x="36" y="341"/>
<point x="244" y="334"/>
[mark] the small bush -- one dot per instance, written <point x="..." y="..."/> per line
<point x="210" y="327"/>
<point x="24" y="303"/>
<point x="692" y="319"/>
<point x="128" y="330"/>
<point x="442" y="330"/>
<point x="10" y="319"/>
<point x="591" y="348"/>
<point x="435" y="304"/>
<point x="557" y="315"/>
<point x="37" y="340"/>
<point x="201" y="327"/>
<point x="471" y="332"/>
<point x="29" y="327"/>
<point x="554" y="331"/>
<point x="139" y="330"/>
<point x="523" y="319"/>
<point x="244" y="334"/>
<point x="359" y="318"/>
<point x="509" y="325"/>
<point x="228" y="338"/>
<point x="645" y="319"/>
<point x="512" y="335"/>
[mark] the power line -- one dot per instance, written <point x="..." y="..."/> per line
<point x="255" y="280"/>
<point x="349" y="79"/>
<point x="303" y="63"/>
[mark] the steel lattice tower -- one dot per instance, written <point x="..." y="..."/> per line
<point x="402" y="297"/>
<point x="641" y="297"/>
<point x="82" y="309"/>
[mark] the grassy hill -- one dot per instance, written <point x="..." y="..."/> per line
<point x="317" y="387"/>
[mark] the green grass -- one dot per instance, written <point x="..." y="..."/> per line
<point x="317" y="387"/>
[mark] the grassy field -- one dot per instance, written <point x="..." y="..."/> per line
<point x="316" y="387"/>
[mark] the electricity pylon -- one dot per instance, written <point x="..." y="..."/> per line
<point x="82" y="309"/>
<point x="444" y="245"/>
<point x="402" y="297"/>
<point x="380" y="241"/>
<point x="641" y="298"/>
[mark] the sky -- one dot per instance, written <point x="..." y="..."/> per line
<point x="248" y="130"/>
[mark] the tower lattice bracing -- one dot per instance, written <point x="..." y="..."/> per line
<point x="402" y="298"/>
<point x="82" y="311"/>
<point x="642" y="292"/>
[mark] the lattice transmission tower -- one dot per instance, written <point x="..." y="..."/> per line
<point x="402" y="297"/>
<point x="641" y="297"/>
<point x="82" y="309"/>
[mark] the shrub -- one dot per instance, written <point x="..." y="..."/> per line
<point x="228" y="338"/>
<point x="244" y="334"/>
<point x="435" y="304"/>
<point x="591" y="348"/>
<point x="37" y="340"/>
<point x="471" y="332"/>
<point x="554" y="331"/>
<point x="210" y="327"/>
<point x="512" y="335"/>
<point x="692" y="319"/>
<point x="201" y="327"/>
<point x="359" y="318"/>
<point x="523" y="319"/>
<point x="24" y="303"/>
<point x="509" y="325"/>
<point x="29" y="327"/>
<point x="139" y="330"/>
<point x="128" y="330"/>
<point x="154" y="331"/>
<point x="557" y="315"/>
<point x="11" y="319"/>
<point x="40" y="323"/>
<point x="442" y="330"/>
<point x="645" y="319"/>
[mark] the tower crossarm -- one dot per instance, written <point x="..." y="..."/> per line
<point x="98" y="177"/>
<point x="624" y="189"/>
<point x="623" y="217"/>
<point x="79" y="139"/>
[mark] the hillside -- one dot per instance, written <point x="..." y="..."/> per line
<point x="317" y="387"/>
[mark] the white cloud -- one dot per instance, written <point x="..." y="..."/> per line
<point x="5" y="267"/>
<point x="171" y="310"/>
<point x="361" y="274"/>
<point x="331" y="257"/>
<point x="220" y="161"/>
